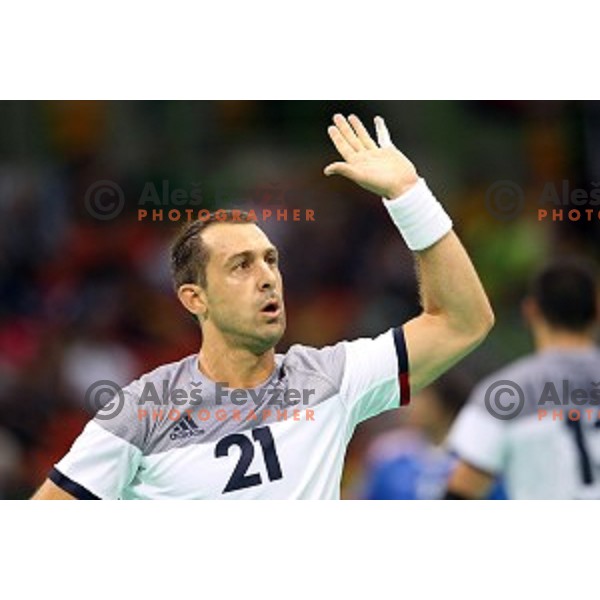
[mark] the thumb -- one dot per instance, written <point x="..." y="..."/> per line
<point x="383" y="135"/>
<point x="339" y="168"/>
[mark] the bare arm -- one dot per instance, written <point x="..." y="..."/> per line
<point x="469" y="483"/>
<point x="456" y="313"/>
<point x="50" y="491"/>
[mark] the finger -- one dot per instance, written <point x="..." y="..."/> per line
<point x="347" y="132"/>
<point x="362" y="133"/>
<point x="383" y="135"/>
<point x="339" y="168"/>
<point x="339" y="141"/>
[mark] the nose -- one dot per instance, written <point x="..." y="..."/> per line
<point x="266" y="277"/>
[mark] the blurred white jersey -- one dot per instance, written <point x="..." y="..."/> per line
<point x="537" y="423"/>
<point x="174" y="433"/>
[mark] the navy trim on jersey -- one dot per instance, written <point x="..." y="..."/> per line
<point x="70" y="486"/>
<point x="402" y="355"/>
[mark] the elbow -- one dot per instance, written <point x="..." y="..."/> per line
<point x="490" y="319"/>
<point x="471" y="331"/>
<point x="482" y="325"/>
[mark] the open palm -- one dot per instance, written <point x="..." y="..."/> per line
<point x="381" y="169"/>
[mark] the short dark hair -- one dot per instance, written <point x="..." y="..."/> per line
<point x="566" y="293"/>
<point x="189" y="254"/>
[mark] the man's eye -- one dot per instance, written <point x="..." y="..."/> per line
<point x="242" y="265"/>
<point x="272" y="260"/>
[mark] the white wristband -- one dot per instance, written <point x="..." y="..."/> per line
<point x="421" y="219"/>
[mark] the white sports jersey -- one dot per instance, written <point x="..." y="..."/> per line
<point x="551" y="448"/>
<point x="177" y="434"/>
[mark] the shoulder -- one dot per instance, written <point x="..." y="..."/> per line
<point x="122" y="415"/>
<point x="336" y="355"/>
<point x="348" y="362"/>
<point x="168" y="373"/>
<point x="307" y="367"/>
<point x="308" y="358"/>
<point x="518" y="380"/>
<point x="518" y="371"/>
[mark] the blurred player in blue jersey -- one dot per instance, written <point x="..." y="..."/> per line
<point x="411" y="461"/>
<point x="236" y="443"/>
<point x="536" y="422"/>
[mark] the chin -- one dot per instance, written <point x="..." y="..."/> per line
<point x="270" y="339"/>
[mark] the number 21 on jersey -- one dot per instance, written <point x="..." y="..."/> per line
<point x="240" y="479"/>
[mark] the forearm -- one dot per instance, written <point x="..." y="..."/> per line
<point x="451" y="294"/>
<point x="450" y="287"/>
<point x="467" y="482"/>
<point x="456" y="313"/>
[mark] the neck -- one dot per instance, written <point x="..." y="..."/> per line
<point x="562" y="340"/>
<point x="234" y="365"/>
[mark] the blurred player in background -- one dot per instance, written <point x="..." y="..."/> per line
<point x="550" y="447"/>
<point x="411" y="462"/>
<point x="227" y="275"/>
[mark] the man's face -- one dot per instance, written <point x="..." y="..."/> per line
<point x="244" y="289"/>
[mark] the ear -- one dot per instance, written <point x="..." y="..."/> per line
<point x="530" y="310"/>
<point x="193" y="298"/>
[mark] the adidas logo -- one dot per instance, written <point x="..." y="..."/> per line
<point x="185" y="428"/>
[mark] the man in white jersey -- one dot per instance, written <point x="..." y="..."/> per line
<point x="536" y="422"/>
<point x="238" y="420"/>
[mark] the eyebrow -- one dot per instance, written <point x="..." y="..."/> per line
<point x="248" y="254"/>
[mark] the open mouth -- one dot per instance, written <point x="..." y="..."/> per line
<point x="271" y="308"/>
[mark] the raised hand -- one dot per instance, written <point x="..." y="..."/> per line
<point x="380" y="168"/>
